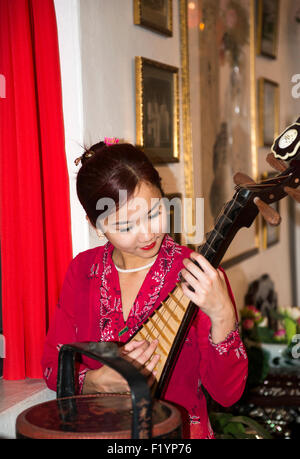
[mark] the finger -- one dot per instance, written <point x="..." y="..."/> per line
<point x="190" y="279"/>
<point x="187" y="292"/>
<point x="145" y="356"/>
<point x="195" y="270"/>
<point x="153" y="362"/>
<point x="132" y="345"/>
<point x="203" y="263"/>
<point x="136" y="353"/>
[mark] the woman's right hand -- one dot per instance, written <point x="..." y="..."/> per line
<point x="139" y="353"/>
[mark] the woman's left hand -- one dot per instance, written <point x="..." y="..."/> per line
<point x="211" y="294"/>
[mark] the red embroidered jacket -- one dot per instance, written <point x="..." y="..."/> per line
<point x="90" y="309"/>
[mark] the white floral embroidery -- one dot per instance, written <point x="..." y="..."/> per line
<point x="194" y="419"/>
<point x="232" y="341"/>
<point x="241" y="351"/>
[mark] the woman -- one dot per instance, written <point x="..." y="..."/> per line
<point x="109" y="291"/>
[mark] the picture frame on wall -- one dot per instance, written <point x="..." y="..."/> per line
<point x="157" y="110"/>
<point x="156" y="15"/>
<point x="268" y="91"/>
<point x="267" y="27"/>
<point x="270" y="233"/>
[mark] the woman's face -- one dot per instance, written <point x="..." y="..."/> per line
<point x="139" y="223"/>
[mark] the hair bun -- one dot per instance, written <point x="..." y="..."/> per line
<point x="95" y="149"/>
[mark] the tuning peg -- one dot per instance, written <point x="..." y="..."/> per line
<point x="269" y="214"/>
<point x="295" y="194"/>
<point x="277" y="164"/>
<point x="242" y="179"/>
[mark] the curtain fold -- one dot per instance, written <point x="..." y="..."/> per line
<point x="35" y="217"/>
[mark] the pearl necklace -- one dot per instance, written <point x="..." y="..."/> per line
<point x="134" y="270"/>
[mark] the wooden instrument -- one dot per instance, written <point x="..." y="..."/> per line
<point x="171" y="320"/>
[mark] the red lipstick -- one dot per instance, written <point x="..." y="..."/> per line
<point x="149" y="247"/>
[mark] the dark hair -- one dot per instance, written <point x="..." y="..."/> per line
<point x="106" y="169"/>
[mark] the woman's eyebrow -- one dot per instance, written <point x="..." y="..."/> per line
<point x="126" y="223"/>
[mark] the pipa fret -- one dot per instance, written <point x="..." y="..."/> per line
<point x="164" y="321"/>
<point x="159" y="330"/>
<point x="177" y="301"/>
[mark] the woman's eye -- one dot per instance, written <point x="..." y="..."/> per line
<point x="129" y="228"/>
<point x="155" y="215"/>
<point x="125" y="230"/>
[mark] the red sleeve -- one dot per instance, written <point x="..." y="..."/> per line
<point x="62" y="329"/>
<point x="224" y="366"/>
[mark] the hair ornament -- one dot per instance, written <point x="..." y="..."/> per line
<point x="111" y="141"/>
<point x="86" y="154"/>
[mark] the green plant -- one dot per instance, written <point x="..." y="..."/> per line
<point x="229" y="426"/>
<point x="255" y="329"/>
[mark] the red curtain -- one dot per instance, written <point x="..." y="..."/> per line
<point x="35" y="222"/>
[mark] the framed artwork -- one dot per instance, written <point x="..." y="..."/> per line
<point x="268" y="111"/>
<point x="228" y="112"/>
<point x="267" y="20"/>
<point x="175" y="212"/>
<point x="155" y="15"/>
<point x="157" y="110"/>
<point x="270" y="234"/>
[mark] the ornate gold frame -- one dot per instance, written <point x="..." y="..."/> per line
<point x="259" y="50"/>
<point x="139" y="69"/>
<point x="138" y="20"/>
<point x="186" y="116"/>
<point x="261" y="88"/>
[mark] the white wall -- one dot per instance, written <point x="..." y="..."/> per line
<point x="68" y="24"/>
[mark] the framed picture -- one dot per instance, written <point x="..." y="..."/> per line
<point x="155" y="15"/>
<point x="270" y="234"/>
<point x="267" y="27"/>
<point x="175" y="212"/>
<point x="268" y="111"/>
<point x="228" y="112"/>
<point x="157" y="110"/>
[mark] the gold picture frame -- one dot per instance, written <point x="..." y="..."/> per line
<point x="268" y="100"/>
<point x="157" y="110"/>
<point x="270" y="234"/>
<point x="156" y="15"/>
<point x="267" y="22"/>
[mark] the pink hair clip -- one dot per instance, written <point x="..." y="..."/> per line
<point x="111" y="140"/>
